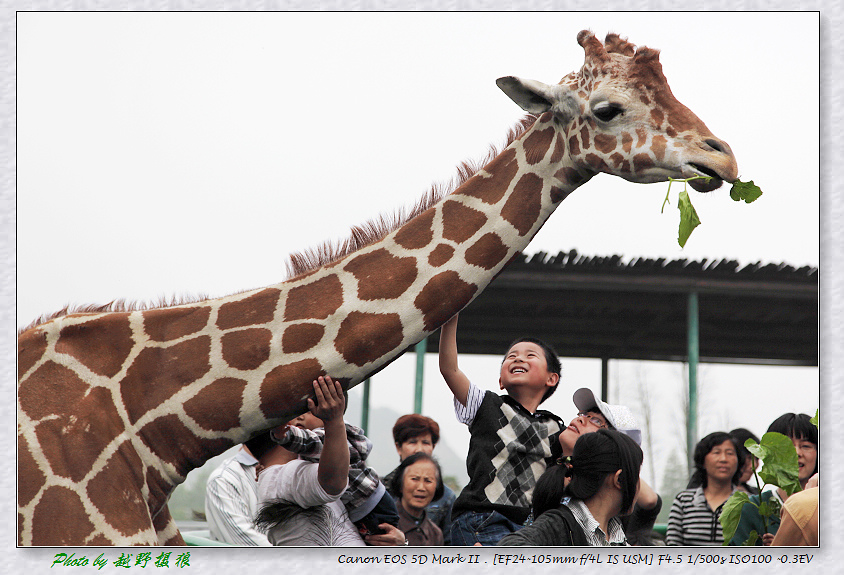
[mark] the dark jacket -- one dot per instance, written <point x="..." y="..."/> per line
<point x="555" y="527"/>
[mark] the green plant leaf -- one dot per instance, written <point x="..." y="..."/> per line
<point x="747" y="191"/>
<point x="751" y="539"/>
<point x="688" y="218"/>
<point x="815" y="420"/>
<point x="779" y="462"/>
<point x="731" y="513"/>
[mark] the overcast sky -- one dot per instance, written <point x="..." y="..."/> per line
<point x="181" y="154"/>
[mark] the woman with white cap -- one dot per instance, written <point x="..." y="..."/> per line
<point x="601" y="482"/>
<point x="594" y="414"/>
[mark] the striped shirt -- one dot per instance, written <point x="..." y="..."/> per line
<point x="692" y="522"/>
<point x="231" y="501"/>
<point x="592" y="529"/>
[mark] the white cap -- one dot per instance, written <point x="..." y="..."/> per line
<point x="619" y="416"/>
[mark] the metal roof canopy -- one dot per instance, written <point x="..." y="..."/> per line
<point x="600" y="307"/>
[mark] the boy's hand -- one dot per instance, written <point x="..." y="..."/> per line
<point x="330" y="401"/>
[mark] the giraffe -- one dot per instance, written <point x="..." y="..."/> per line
<point x="116" y="406"/>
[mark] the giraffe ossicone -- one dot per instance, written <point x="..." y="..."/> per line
<point x="116" y="407"/>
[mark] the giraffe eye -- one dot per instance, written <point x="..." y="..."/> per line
<point x="606" y="111"/>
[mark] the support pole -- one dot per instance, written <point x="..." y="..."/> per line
<point x="420" y="374"/>
<point x="364" y="415"/>
<point x="693" y="342"/>
<point x="605" y="379"/>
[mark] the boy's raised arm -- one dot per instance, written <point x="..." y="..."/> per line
<point x="456" y="379"/>
<point x="333" y="471"/>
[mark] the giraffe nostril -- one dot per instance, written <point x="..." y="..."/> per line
<point x="714" y="144"/>
<point x="718" y="146"/>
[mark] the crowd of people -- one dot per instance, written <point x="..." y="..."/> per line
<point x="533" y="479"/>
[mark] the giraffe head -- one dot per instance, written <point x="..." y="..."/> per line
<point x="619" y="117"/>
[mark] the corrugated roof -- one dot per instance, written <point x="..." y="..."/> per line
<point x="603" y="306"/>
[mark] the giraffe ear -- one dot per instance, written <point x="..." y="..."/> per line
<point x="533" y="97"/>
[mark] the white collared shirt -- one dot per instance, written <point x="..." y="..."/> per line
<point x="592" y="529"/>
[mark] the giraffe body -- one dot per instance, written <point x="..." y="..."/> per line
<point x="115" y="408"/>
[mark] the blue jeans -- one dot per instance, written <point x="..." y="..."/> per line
<point x="484" y="527"/>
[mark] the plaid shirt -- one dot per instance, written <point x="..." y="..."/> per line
<point x="363" y="480"/>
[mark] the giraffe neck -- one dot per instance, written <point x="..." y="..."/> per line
<point x="391" y="294"/>
<point x="149" y="395"/>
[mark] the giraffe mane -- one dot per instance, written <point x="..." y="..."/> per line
<point x="118" y="306"/>
<point x="362" y="235"/>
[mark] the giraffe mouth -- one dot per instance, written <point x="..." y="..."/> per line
<point x="713" y="183"/>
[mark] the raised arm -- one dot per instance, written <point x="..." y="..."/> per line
<point x="333" y="471"/>
<point x="457" y="381"/>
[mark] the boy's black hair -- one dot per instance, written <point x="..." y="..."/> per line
<point x="702" y="449"/>
<point x="395" y="486"/>
<point x="551" y="359"/>
<point x="797" y="426"/>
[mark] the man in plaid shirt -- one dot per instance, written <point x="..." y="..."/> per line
<point x="366" y="499"/>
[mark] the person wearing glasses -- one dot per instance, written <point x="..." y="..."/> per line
<point x="600" y="482"/>
<point x="594" y="414"/>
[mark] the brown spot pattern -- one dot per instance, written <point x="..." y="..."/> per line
<point x="246" y="349"/>
<point x="59" y="517"/>
<point x="642" y="136"/>
<point x="524" y="204"/>
<point x="617" y="159"/>
<point x="460" y="222"/>
<point x="537" y="144"/>
<point x="158" y="373"/>
<point x="257" y="309"/>
<point x="174" y="323"/>
<point x="569" y="176"/>
<point x="443" y="296"/>
<point x="487" y="252"/>
<point x="116" y="491"/>
<point x="605" y="143"/>
<point x="491" y="189"/>
<point x="597" y="163"/>
<point x="418" y="232"/>
<point x="101" y="346"/>
<point x="172" y="442"/>
<point x="657" y="117"/>
<point x="382" y="275"/>
<point x="364" y="337"/>
<point x="642" y="162"/>
<point x="216" y="407"/>
<point x="73" y="441"/>
<point x="284" y="385"/>
<point x="301" y="337"/>
<point x="52" y="389"/>
<point x="31" y="347"/>
<point x="658" y="144"/>
<point x="441" y="254"/>
<point x="626" y="142"/>
<point x="559" y="149"/>
<point x="574" y="145"/>
<point x="30" y="477"/>
<point x="316" y="300"/>
<point x="584" y="137"/>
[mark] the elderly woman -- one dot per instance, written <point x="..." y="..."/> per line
<point x="417" y="482"/>
<point x="579" y="503"/>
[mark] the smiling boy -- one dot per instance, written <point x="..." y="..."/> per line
<point x="512" y="441"/>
